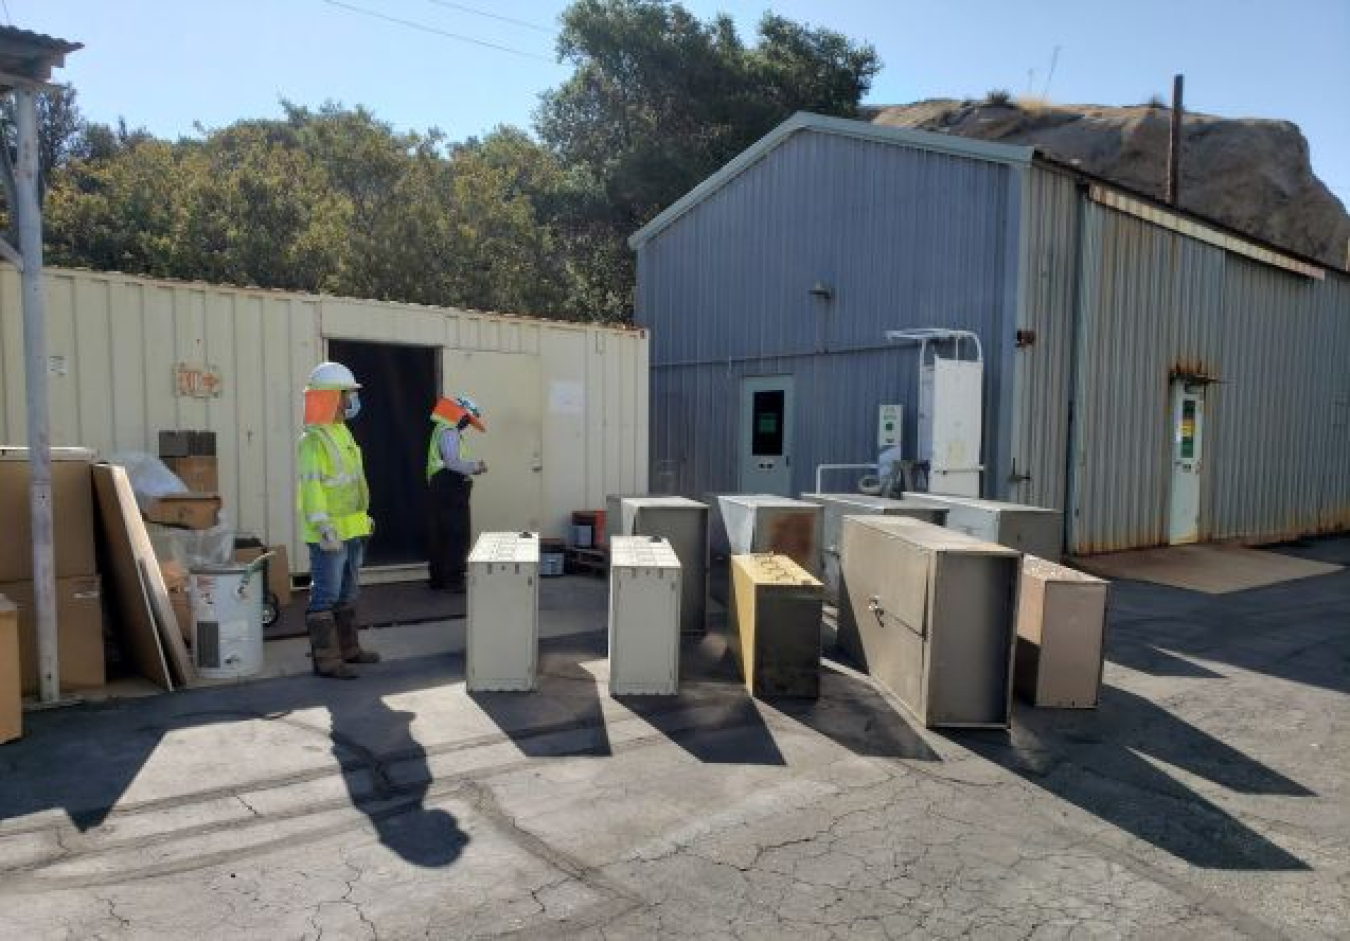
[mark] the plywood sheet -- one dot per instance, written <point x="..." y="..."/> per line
<point x="143" y="614"/>
<point x="1212" y="569"/>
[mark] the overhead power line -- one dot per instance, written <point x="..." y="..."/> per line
<point x="423" y="27"/>
<point x="526" y="24"/>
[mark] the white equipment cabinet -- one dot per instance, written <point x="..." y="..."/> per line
<point x="950" y="416"/>
<point x="502" y="645"/>
<point x="644" y="617"/>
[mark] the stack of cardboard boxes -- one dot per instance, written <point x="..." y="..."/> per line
<point x="79" y="604"/>
<point x="191" y="455"/>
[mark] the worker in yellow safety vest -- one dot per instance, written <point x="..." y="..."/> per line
<point x="333" y="501"/>
<point x="450" y="473"/>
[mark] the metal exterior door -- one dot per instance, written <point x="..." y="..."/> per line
<point x="766" y="432"/>
<point x="509" y="497"/>
<point x="1188" y="424"/>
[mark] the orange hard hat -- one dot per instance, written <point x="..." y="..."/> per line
<point x="452" y="411"/>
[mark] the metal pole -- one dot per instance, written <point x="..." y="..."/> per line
<point x="1174" y="144"/>
<point x="35" y="381"/>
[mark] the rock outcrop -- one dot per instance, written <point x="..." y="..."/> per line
<point x="1251" y="174"/>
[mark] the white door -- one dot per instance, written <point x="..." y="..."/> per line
<point x="1188" y="424"/>
<point x="509" y="497"/>
<point x="766" y="435"/>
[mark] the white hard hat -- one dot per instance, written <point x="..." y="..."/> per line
<point x="332" y="376"/>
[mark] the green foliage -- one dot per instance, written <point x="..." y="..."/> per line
<point x="999" y="96"/>
<point x="334" y="200"/>
<point x="659" y="100"/>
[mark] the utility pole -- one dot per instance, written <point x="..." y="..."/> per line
<point x="1174" y="144"/>
<point x="35" y="382"/>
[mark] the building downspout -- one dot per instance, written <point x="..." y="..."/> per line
<point x="1071" y="482"/>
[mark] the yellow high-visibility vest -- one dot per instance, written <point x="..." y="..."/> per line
<point x="332" y="487"/>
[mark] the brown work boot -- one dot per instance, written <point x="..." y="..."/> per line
<point x="323" y="646"/>
<point x="344" y="615"/>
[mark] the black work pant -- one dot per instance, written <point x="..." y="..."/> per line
<point x="450" y="528"/>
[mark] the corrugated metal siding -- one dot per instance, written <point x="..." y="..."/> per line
<point x="1044" y="374"/>
<point x="1155" y="302"/>
<point x="903" y="237"/>
<point x="121" y="336"/>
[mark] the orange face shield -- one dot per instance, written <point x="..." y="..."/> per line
<point x="450" y="411"/>
<point x="322" y="405"/>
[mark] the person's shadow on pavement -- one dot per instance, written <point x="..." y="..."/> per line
<point x="386" y="773"/>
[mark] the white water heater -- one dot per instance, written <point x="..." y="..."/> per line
<point x="950" y="421"/>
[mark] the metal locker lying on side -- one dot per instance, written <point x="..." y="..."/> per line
<point x="644" y="617"/>
<point x="775" y="625"/>
<point x="1032" y="529"/>
<point x="838" y="505"/>
<point x="684" y="523"/>
<point x="929" y="612"/>
<point x="1061" y="618"/>
<point x="502" y="642"/>
<point x="765" y="523"/>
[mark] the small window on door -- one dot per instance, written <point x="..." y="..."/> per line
<point x="767" y="440"/>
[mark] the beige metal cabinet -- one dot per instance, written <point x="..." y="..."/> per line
<point x="684" y="523"/>
<point x="775" y="625"/>
<point x="502" y="643"/>
<point x="838" y="505"/>
<point x="930" y="613"/>
<point x="644" y="617"/>
<point x="1061" y="618"/>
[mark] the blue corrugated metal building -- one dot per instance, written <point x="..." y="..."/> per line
<point x="1102" y="314"/>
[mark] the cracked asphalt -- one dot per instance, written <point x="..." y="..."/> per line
<point x="1206" y="798"/>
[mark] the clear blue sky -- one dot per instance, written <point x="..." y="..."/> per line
<point x="164" y="64"/>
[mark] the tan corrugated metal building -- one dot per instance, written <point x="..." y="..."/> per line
<point x="565" y="403"/>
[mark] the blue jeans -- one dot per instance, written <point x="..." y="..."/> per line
<point x="334" y="577"/>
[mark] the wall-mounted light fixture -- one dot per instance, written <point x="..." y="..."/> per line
<point x="822" y="290"/>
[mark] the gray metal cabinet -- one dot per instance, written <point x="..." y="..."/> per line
<point x="1034" y="530"/>
<point x="684" y="523"/>
<point x="838" y="505"/>
<point x="930" y="613"/>
<point x="763" y="523"/>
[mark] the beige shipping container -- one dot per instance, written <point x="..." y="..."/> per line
<point x="565" y="403"/>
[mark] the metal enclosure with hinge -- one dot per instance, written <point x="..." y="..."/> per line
<point x="1061" y="618"/>
<point x="644" y="617"/>
<point x="930" y="612"/>
<point x="1032" y="529"/>
<point x="775" y="625"/>
<point x="684" y="523"/>
<point x="764" y="523"/>
<point x="838" y="505"/>
<point x="502" y="642"/>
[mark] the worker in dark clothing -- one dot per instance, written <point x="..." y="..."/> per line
<point x="450" y="473"/>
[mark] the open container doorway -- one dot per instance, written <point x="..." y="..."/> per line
<point x="398" y="389"/>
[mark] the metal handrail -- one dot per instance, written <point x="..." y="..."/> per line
<point x="821" y="468"/>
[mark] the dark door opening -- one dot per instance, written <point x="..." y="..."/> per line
<point x="398" y="390"/>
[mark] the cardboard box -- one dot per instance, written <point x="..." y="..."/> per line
<point x="182" y="612"/>
<point x="278" y="570"/>
<point x="199" y="473"/>
<point x="72" y="504"/>
<point x="79" y="633"/>
<point x="11" y="696"/>
<point x="188" y="510"/>
<point x="173" y="444"/>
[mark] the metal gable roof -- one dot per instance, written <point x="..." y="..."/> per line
<point x="805" y="121"/>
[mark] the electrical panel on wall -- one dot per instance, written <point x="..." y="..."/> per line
<point x="890" y="420"/>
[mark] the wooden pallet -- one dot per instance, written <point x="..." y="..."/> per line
<point x="587" y="561"/>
